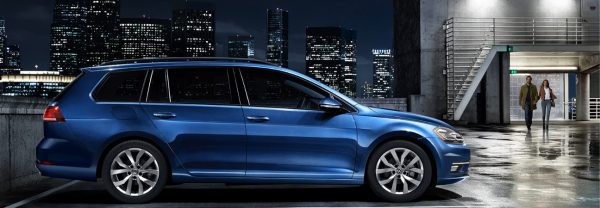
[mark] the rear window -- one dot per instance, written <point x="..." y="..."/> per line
<point x="121" y="87"/>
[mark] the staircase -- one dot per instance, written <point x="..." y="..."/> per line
<point x="464" y="58"/>
<point x="471" y="44"/>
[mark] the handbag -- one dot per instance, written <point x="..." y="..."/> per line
<point x="552" y="103"/>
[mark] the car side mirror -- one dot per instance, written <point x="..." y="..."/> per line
<point x="330" y="105"/>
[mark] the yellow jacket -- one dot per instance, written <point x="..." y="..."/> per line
<point x="532" y="92"/>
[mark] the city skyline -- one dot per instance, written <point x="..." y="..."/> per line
<point x="383" y="73"/>
<point x="193" y="30"/>
<point x="331" y="57"/>
<point x="67" y="32"/>
<point x="240" y="46"/>
<point x="145" y="37"/>
<point x="2" y="40"/>
<point x="372" y="21"/>
<point x="277" y="37"/>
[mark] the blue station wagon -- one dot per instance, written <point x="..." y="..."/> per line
<point x="138" y="125"/>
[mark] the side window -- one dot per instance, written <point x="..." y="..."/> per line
<point x="200" y="86"/>
<point x="277" y="90"/>
<point x="121" y="87"/>
<point x="158" y="91"/>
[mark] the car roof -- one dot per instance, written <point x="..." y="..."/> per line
<point x="157" y="64"/>
<point x="179" y="59"/>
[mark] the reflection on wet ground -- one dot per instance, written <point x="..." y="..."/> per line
<point x="510" y="167"/>
<point x="558" y="167"/>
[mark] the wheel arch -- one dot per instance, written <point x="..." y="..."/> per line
<point x="140" y="137"/>
<point x="409" y="136"/>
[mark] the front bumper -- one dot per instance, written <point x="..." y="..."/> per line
<point x="454" y="166"/>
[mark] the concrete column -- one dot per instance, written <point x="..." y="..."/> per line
<point x="583" y="96"/>
<point x="497" y="95"/>
<point x="505" y="88"/>
<point x="433" y="58"/>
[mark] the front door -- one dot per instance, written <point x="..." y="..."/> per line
<point x="288" y="136"/>
<point x="198" y="114"/>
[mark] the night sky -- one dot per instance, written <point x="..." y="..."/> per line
<point x="28" y="25"/>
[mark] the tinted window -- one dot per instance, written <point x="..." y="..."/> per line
<point x="201" y="86"/>
<point x="158" y="87"/>
<point x="121" y="87"/>
<point x="277" y="90"/>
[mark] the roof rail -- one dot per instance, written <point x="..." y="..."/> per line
<point x="181" y="59"/>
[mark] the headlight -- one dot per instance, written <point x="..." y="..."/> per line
<point x="448" y="135"/>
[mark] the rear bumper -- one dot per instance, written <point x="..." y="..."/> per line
<point x="76" y="173"/>
<point x="62" y="158"/>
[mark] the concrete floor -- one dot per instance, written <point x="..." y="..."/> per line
<point x="510" y="168"/>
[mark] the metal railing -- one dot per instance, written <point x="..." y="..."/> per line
<point x="594" y="109"/>
<point x="469" y="40"/>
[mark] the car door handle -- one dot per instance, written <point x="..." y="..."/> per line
<point x="164" y="115"/>
<point x="258" y="118"/>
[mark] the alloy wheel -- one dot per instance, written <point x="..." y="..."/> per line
<point x="399" y="171"/>
<point x="134" y="172"/>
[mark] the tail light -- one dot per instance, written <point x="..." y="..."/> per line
<point x="53" y="114"/>
<point x="45" y="162"/>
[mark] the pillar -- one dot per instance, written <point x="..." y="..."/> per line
<point x="583" y="96"/>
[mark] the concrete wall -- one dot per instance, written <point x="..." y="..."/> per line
<point x="514" y="8"/>
<point x="497" y="94"/>
<point x="590" y="8"/>
<point x="407" y="48"/>
<point x="433" y="59"/>
<point x="398" y="104"/>
<point x="595" y="84"/>
<point x="20" y="131"/>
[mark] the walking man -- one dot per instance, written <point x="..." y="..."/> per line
<point x="528" y="99"/>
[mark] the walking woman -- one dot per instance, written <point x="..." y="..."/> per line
<point x="547" y="97"/>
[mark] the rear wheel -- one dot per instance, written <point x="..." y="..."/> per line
<point x="399" y="171"/>
<point x="134" y="172"/>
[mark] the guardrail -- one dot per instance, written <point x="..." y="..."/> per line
<point x="524" y="30"/>
<point x="594" y="109"/>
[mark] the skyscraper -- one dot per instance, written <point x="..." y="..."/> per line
<point x="367" y="90"/>
<point x="12" y="60"/>
<point x="193" y="30"/>
<point x="2" y="41"/>
<point x="144" y="37"/>
<point x="383" y="73"/>
<point x="67" y="34"/>
<point x="240" y="46"/>
<point x="103" y="31"/>
<point x="331" y="57"/>
<point x="277" y="37"/>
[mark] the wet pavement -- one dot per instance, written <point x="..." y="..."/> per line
<point x="510" y="167"/>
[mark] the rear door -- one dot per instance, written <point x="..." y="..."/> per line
<point x="197" y="112"/>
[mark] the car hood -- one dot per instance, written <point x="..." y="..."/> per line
<point x="387" y="113"/>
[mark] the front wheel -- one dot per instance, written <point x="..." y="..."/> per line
<point x="399" y="171"/>
<point x="134" y="172"/>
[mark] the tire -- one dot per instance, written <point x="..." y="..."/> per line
<point x="401" y="175"/>
<point x="150" y="174"/>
